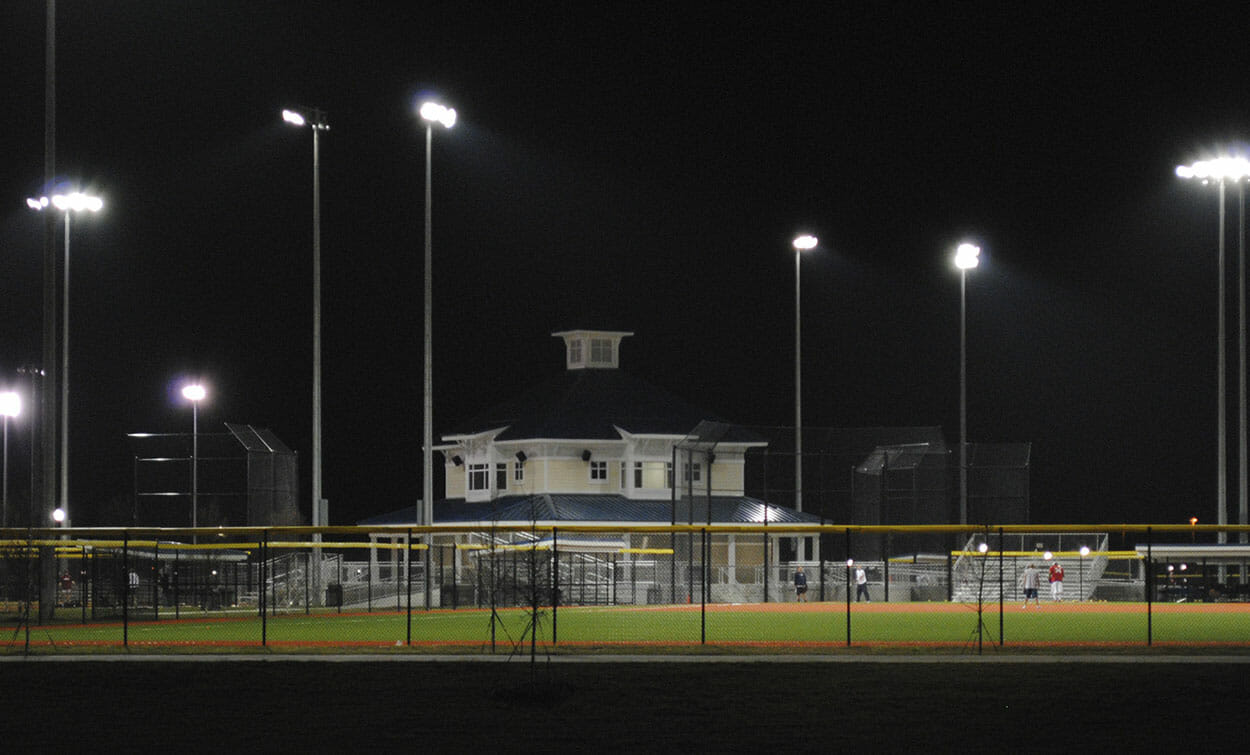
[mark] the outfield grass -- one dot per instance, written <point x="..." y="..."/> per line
<point x="808" y="626"/>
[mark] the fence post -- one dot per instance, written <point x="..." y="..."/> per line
<point x="822" y="567"/>
<point x="555" y="583"/>
<point x="1000" y="586"/>
<point x="156" y="598"/>
<point x="889" y="548"/>
<point x="1149" y="584"/>
<point x="307" y="575"/>
<point x="82" y="582"/>
<point x="703" y="592"/>
<point x="848" y="586"/>
<point x="264" y="559"/>
<point x="408" y="562"/>
<point x="125" y="591"/>
<point x="950" y="581"/>
<point x="177" y="600"/>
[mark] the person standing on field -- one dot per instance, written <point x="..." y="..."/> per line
<point x="1030" y="586"/>
<point x="1056" y="581"/>
<point x="861" y="585"/>
<point x="800" y="585"/>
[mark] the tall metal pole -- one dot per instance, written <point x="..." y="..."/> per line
<point x="798" y="390"/>
<point x="65" y="382"/>
<point x="316" y="418"/>
<point x="1241" y="372"/>
<point x="427" y="437"/>
<point x="1221" y="450"/>
<point x="4" y="509"/>
<point x="963" y="398"/>
<point x="195" y="455"/>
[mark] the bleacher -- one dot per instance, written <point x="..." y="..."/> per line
<point x="978" y="574"/>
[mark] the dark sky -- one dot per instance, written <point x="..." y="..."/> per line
<point x="640" y="167"/>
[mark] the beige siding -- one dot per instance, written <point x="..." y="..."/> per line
<point x="455" y="482"/>
<point x="573" y="476"/>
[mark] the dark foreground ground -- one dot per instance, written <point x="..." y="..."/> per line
<point x="670" y="706"/>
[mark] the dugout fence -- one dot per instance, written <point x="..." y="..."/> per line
<point x="579" y="588"/>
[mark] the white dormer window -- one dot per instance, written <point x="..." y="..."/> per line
<point x="592" y="349"/>
<point x="479" y="477"/>
<point x="600" y="352"/>
<point x="598" y="471"/>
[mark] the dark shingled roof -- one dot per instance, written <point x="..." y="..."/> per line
<point x="586" y="404"/>
<point x="588" y="508"/>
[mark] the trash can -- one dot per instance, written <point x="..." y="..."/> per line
<point x="334" y="595"/>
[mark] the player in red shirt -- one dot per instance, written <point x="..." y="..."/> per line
<point x="1056" y="581"/>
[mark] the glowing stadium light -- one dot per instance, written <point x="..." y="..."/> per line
<point x="294" y="118"/>
<point x="805" y="242"/>
<point x="194" y="392"/>
<point x="850" y="562"/>
<point x="983" y="547"/>
<point x="58" y="515"/>
<point x="1184" y="567"/>
<point x="1047" y="556"/>
<point x="1193" y="520"/>
<point x="436" y="113"/>
<point x="967" y="256"/>
<point x="10" y="404"/>
<point x="1084" y="551"/>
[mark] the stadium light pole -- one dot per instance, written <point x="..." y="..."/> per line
<point x="967" y="256"/>
<point x="10" y="406"/>
<point x="67" y="204"/>
<point x="431" y="113"/>
<point x="316" y="120"/>
<point x="194" y="393"/>
<point x="801" y="244"/>
<point x="1221" y="170"/>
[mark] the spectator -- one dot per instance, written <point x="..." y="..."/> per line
<point x="800" y="585"/>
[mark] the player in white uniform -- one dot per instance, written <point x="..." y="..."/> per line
<point x="1030" y="586"/>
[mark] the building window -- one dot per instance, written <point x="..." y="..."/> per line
<point x="501" y="476"/>
<point x="598" y="471"/>
<point x="694" y="472"/>
<point x="622" y="475"/>
<point x="479" y="477"/>
<point x="518" y="472"/>
<point x="653" y="474"/>
<point x="601" y="351"/>
<point x="575" y="351"/>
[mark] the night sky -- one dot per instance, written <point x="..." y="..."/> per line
<point x="642" y="168"/>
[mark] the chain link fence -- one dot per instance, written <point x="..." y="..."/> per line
<point x="591" y="588"/>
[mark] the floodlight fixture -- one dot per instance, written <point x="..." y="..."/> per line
<point x="294" y="118"/>
<point x="1047" y="556"/>
<point x="1170" y="568"/>
<point x="1224" y="168"/>
<point x="194" y="392"/>
<point x="805" y="242"/>
<point x="10" y="404"/>
<point x="1184" y="567"/>
<point x="58" y="515"/>
<point x="1084" y="551"/>
<point x="850" y="562"/>
<point x="983" y="547"/>
<point x="967" y="256"/>
<point x="436" y="113"/>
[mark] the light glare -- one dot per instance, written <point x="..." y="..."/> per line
<point x="1219" y="169"/>
<point x="1047" y="556"/>
<point x="967" y="256"/>
<point x="983" y="547"/>
<point x="1084" y="550"/>
<point x="58" y="515"/>
<point x="290" y="116"/>
<point x="805" y="242"/>
<point x="10" y="404"/>
<point x="432" y="111"/>
<point x="194" y="392"/>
